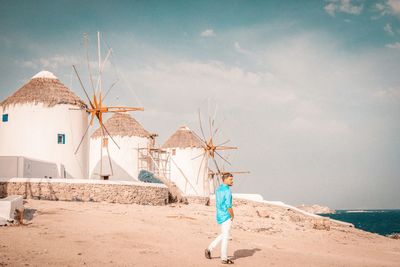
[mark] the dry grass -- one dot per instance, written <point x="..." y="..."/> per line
<point x="50" y="92"/>
<point x="183" y="138"/>
<point x="123" y="124"/>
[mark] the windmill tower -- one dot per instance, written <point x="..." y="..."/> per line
<point x="37" y="123"/>
<point x="194" y="167"/>
<point x="131" y="136"/>
<point x="186" y="173"/>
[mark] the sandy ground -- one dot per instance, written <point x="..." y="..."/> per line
<point x="101" y="234"/>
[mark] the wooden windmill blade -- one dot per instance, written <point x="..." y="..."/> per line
<point x="225" y="147"/>
<point x="204" y="143"/>
<point x="201" y="164"/>
<point x="215" y="114"/>
<point x="108" y="133"/>
<point x="236" y="172"/>
<point x="224" y="143"/>
<point x="96" y="106"/>
<point x="119" y="109"/>
<point x="91" y="104"/>
<point x="215" y="164"/>
<point x="82" y="108"/>
<point x="219" y="155"/>
<point x="220" y="174"/>
<point x="218" y="128"/>
<point x="84" y="135"/>
<point x="83" y="87"/>
<point x="109" y="89"/>
<point x="210" y="126"/>
<point x="201" y="129"/>
<point x="86" y="43"/>
<point x="224" y="171"/>
<point x="202" y="154"/>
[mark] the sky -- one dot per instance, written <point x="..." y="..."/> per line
<point x="308" y="90"/>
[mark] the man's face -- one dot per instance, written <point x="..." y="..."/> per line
<point x="229" y="181"/>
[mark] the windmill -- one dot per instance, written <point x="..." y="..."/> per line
<point x="212" y="152"/>
<point x="97" y="108"/>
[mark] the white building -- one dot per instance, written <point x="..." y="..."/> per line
<point x="42" y="121"/>
<point x="130" y="137"/>
<point x="189" y="169"/>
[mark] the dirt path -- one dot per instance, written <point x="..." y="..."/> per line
<point x="101" y="234"/>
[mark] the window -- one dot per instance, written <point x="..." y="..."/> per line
<point x="5" y="117"/>
<point x="61" y="139"/>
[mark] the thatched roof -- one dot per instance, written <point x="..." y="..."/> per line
<point x="123" y="124"/>
<point x="183" y="138"/>
<point x="44" y="88"/>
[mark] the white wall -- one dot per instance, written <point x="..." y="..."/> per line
<point x="183" y="165"/>
<point x="31" y="131"/>
<point x="124" y="160"/>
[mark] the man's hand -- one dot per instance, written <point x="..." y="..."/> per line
<point x="230" y="210"/>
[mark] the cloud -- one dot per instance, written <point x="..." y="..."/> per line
<point x="380" y="7"/>
<point x="208" y="33"/>
<point x="344" y="6"/>
<point x="239" y="49"/>
<point x="304" y="77"/>
<point x="304" y="65"/>
<point x="347" y="7"/>
<point x="394" y="6"/>
<point x="395" y="45"/>
<point x="330" y="9"/>
<point x="390" y="94"/>
<point x="27" y="64"/>
<point x="318" y="126"/>
<point x="388" y="29"/>
<point x="53" y="62"/>
<point x="193" y="80"/>
<point x="390" y="7"/>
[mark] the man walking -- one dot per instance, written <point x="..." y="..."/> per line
<point x="223" y="201"/>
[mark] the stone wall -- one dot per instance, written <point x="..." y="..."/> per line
<point x="3" y="190"/>
<point x="199" y="200"/>
<point x="86" y="190"/>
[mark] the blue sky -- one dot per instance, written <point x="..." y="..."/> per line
<point x="309" y="90"/>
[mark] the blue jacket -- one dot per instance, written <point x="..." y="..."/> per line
<point x="223" y="201"/>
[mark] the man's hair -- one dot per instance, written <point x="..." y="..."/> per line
<point x="226" y="175"/>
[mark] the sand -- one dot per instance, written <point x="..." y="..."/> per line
<point x="101" y="234"/>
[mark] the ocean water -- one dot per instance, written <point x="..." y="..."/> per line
<point x="383" y="222"/>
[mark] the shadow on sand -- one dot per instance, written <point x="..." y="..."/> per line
<point x="243" y="253"/>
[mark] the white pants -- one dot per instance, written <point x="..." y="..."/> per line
<point x="224" y="237"/>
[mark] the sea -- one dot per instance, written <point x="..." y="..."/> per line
<point x="383" y="222"/>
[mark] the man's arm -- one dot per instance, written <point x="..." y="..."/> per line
<point x="229" y="204"/>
